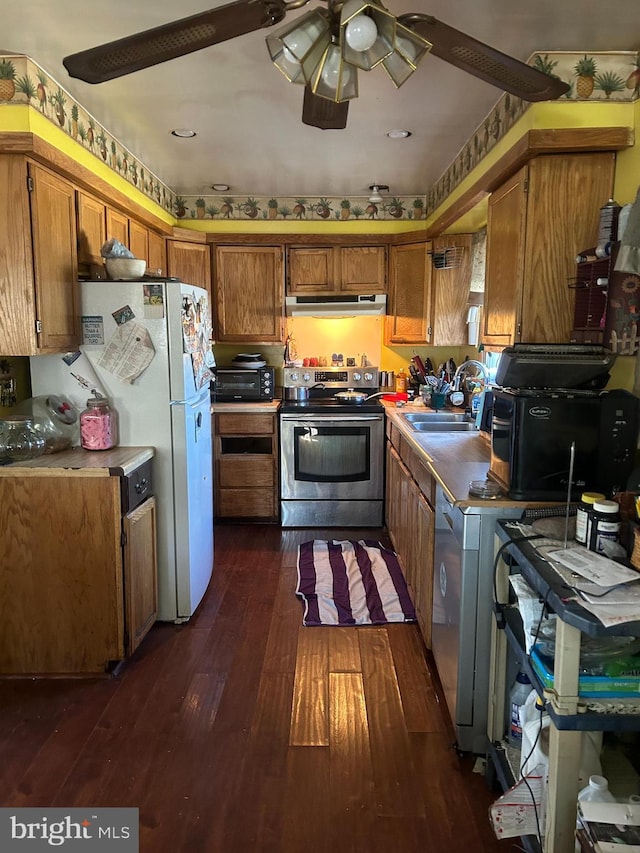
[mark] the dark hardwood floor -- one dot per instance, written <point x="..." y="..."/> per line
<point x="244" y="731"/>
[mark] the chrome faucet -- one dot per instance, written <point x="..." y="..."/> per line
<point x="458" y="374"/>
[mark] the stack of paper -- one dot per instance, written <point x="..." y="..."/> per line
<point x="611" y="827"/>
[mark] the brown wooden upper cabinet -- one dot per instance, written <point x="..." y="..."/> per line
<point x="117" y="225"/>
<point x="451" y="280"/>
<point x="98" y="222"/>
<point x="429" y="292"/>
<point x="157" y="257"/>
<point x="336" y="269"/>
<point x="249" y="288"/>
<point x="38" y="260"/>
<point x="92" y="228"/>
<point x="408" y="309"/>
<point x="538" y="221"/>
<point x="190" y="262"/>
<point x="139" y="240"/>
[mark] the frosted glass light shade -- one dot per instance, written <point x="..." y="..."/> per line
<point x="410" y="45"/>
<point x="409" y="49"/>
<point x="297" y="49"/>
<point x="334" y="78"/>
<point x="355" y="11"/>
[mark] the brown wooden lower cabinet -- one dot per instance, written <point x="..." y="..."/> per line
<point x="77" y="579"/>
<point x="246" y="466"/>
<point x="411" y="525"/>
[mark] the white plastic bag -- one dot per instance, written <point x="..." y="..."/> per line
<point x="115" y="249"/>
<point x="535" y="747"/>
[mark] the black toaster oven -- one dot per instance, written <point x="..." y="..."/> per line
<point x="243" y="385"/>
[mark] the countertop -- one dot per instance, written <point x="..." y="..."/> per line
<point x="454" y="459"/>
<point x="240" y="408"/>
<point x="119" y="461"/>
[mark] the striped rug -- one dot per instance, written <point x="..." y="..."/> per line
<point x="351" y="583"/>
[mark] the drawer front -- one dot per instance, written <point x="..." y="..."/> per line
<point x="231" y="424"/>
<point x="419" y="472"/>
<point x="246" y="472"/>
<point x="136" y="487"/>
<point x="246" y="503"/>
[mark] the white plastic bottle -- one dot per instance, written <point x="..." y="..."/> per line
<point x="597" y="791"/>
<point x="518" y="696"/>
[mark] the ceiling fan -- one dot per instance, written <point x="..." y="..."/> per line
<point x="323" y="53"/>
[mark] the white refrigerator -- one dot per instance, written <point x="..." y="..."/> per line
<point x="146" y="347"/>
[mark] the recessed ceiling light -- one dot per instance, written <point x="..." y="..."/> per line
<point x="220" y="188"/>
<point x="183" y="132"/>
<point x="398" y="134"/>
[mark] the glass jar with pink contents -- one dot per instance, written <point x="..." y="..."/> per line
<point x="98" y="425"/>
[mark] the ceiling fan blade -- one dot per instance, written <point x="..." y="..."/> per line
<point x="485" y="62"/>
<point x="151" y="47"/>
<point x="323" y="113"/>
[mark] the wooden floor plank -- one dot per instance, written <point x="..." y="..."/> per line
<point x="344" y="650"/>
<point x="307" y="818"/>
<point x="353" y="800"/>
<point x="282" y="643"/>
<point x="309" y="714"/>
<point x="392" y="760"/>
<point x="265" y="770"/>
<point x="421" y="701"/>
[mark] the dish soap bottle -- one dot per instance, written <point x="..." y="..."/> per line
<point x="98" y="424"/>
<point x="401" y="381"/>
<point x="476" y="398"/>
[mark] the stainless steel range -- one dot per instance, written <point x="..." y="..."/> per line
<point x="331" y="451"/>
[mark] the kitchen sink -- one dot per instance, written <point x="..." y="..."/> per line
<point x="439" y="421"/>
<point x="438" y="417"/>
<point x="443" y="426"/>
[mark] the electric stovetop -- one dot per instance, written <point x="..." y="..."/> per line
<point x="321" y="405"/>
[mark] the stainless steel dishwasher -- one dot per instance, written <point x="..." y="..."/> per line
<point x="462" y="608"/>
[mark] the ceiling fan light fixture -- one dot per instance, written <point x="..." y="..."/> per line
<point x="363" y="53"/>
<point x="297" y="49"/>
<point x="333" y="78"/>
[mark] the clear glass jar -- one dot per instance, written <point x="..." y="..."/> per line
<point x="55" y="419"/>
<point x="98" y="425"/>
<point x="19" y="440"/>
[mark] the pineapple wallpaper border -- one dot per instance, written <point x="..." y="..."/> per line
<point x="23" y="81"/>
<point x="592" y="76"/>
<point x="322" y="209"/>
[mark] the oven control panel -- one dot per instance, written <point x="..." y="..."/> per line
<point x="331" y="377"/>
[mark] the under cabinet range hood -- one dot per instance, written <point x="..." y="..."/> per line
<point x="336" y="305"/>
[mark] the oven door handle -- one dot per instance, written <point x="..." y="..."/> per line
<point x="332" y="419"/>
